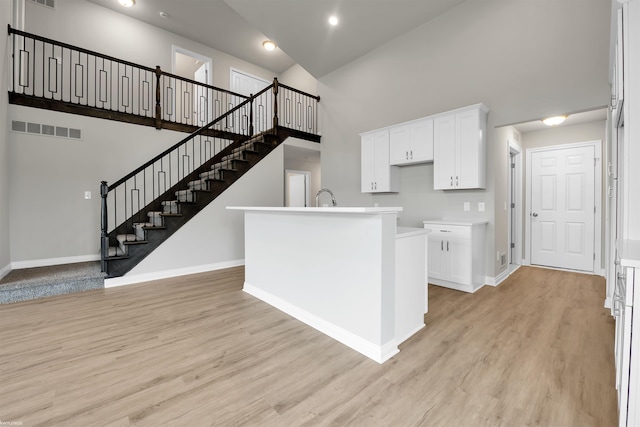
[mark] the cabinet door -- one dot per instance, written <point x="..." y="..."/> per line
<point x="399" y="144"/>
<point x="443" y="152"/>
<point x="435" y="258"/>
<point x="367" y="177"/>
<point x="458" y="253"/>
<point x="468" y="150"/>
<point x="421" y="148"/>
<point x="381" y="168"/>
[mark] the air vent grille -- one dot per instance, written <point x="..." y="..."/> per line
<point x="45" y="129"/>
<point x="51" y="4"/>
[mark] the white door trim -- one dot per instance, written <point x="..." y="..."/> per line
<point x="515" y="148"/>
<point x="597" y="223"/>
<point x="176" y="49"/>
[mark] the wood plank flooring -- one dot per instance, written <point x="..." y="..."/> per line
<point x="196" y="350"/>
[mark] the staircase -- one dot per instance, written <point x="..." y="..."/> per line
<point x="144" y="208"/>
<point x="130" y="244"/>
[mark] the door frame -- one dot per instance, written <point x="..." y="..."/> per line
<point x="597" y="223"/>
<point x="516" y="149"/>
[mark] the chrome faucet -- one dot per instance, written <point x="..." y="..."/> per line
<point x="325" y="190"/>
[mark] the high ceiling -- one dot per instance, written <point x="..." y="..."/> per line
<point x="299" y="27"/>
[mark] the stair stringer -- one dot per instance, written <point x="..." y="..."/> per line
<point x="215" y="235"/>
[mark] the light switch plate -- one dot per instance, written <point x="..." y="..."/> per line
<point x="87" y="195"/>
<point x="480" y="206"/>
<point x="467" y="206"/>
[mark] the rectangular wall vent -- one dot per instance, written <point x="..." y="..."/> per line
<point x="51" y="4"/>
<point x="45" y="129"/>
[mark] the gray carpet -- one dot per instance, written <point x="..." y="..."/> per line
<point x="40" y="282"/>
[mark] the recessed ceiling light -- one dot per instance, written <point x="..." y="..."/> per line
<point x="333" y="20"/>
<point x="554" y="121"/>
<point x="127" y="3"/>
<point x="268" y="45"/>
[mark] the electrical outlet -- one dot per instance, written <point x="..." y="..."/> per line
<point x="87" y="195"/>
<point x="467" y="206"/>
<point x="480" y="206"/>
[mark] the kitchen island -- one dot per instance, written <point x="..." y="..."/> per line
<point x="348" y="272"/>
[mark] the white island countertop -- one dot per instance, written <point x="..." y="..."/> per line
<point x="327" y="209"/>
<point x="629" y="252"/>
<point x="456" y="222"/>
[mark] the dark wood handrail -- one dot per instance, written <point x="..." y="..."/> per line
<point x="121" y="61"/>
<point x="79" y="49"/>
<point x="184" y="79"/>
<point x="293" y="89"/>
<point x="182" y="141"/>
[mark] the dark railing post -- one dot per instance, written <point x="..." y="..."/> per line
<point x="275" y="104"/>
<point x="251" y="115"/>
<point x="104" y="239"/>
<point x="158" y="100"/>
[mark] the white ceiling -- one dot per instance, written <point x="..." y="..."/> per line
<point x="299" y="27"/>
<point x="572" y="119"/>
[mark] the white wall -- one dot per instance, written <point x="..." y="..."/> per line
<point x="85" y="24"/>
<point x="299" y="78"/>
<point x="215" y="234"/>
<point x="49" y="216"/>
<point x="502" y="53"/>
<point x="5" y="257"/>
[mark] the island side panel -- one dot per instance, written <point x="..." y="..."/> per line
<point x="340" y="268"/>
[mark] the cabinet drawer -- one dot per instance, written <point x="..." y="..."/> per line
<point x="448" y="231"/>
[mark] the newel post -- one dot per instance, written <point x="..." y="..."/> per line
<point x="275" y="104"/>
<point x="104" y="239"/>
<point x="251" y="98"/>
<point x="158" y="101"/>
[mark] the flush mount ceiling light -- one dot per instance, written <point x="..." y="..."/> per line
<point x="333" y="20"/>
<point x="554" y="121"/>
<point x="127" y="3"/>
<point x="268" y="45"/>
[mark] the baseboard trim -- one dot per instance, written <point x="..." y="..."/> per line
<point x="378" y="353"/>
<point x="456" y="286"/>
<point x="5" y="270"/>
<point x="495" y="281"/>
<point x="156" y="275"/>
<point x="16" y="265"/>
<point x="607" y="303"/>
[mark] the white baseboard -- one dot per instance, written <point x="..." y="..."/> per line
<point x="379" y="353"/>
<point x="156" y="275"/>
<point x="456" y="286"/>
<point x="607" y="302"/>
<point x="495" y="281"/>
<point x="54" y="261"/>
<point x="5" y="270"/>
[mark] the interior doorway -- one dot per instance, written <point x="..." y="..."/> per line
<point x="297" y="188"/>
<point x="194" y="99"/>
<point x="514" y="205"/>
<point x="563" y="203"/>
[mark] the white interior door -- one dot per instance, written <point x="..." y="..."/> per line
<point x="563" y="208"/>
<point x="203" y="105"/>
<point x="246" y="84"/>
<point x="297" y="188"/>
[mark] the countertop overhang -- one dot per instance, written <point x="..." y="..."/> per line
<point x="328" y="210"/>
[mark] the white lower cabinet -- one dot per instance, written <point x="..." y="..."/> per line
<point x="451" y="248"/>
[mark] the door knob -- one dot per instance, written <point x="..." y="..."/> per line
<point x="534" y="214"/>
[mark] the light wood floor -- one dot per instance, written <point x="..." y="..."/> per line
<point x="535" y="351"/>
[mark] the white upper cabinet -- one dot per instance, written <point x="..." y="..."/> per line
<point x="412" y="142"/>
<point x="459" y="149"/>
<point x="377" y="175"/>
